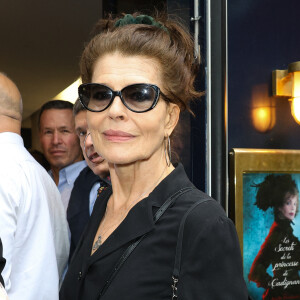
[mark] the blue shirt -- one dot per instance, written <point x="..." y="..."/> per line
<point x="93" y="196"/>
<point x="94" y="191"/>
<point x="67" y="176"/>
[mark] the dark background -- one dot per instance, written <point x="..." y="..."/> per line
<point x="262" y="36"/>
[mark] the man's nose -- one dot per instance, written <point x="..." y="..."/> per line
<point x="88" y="140"/>
<point x="88" y="143"/>
<point x="56" y="138"/>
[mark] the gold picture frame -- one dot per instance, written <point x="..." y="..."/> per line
<point x="255" y="164"/>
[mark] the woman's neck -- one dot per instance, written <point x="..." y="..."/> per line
<point x="131" y="183"/>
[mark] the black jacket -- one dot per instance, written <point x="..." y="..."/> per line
<point x="211" y="266"/>
<point x="2" y="262"/>
<point x="78" y="212"/>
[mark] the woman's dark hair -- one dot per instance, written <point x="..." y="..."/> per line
<point x="161" y="38"/>
<point x="274" y="190"/>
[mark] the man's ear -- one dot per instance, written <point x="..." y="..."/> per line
<point x="173" y="112"/>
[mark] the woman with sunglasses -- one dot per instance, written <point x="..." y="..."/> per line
<point x="138" y="74"/>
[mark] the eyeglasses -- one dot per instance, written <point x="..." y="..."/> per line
<point x="138" y="98"/>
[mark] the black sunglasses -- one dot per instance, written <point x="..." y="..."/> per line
<point x="138" y="98"/>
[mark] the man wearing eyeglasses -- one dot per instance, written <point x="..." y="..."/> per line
<point x="87" y="184"/>
<point x="60" y="145"/>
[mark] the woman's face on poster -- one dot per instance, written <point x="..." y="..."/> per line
<point x="289" y="207"/>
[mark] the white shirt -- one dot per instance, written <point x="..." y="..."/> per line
<point x="67" y="176"/>
<point x="33" y="226"/>
<point x="3" y="294"/>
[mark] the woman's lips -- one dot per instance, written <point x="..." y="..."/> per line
<point x="117" y="135"/>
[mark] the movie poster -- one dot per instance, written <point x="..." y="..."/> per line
<point x="271" y="234"/>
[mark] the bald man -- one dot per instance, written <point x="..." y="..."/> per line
<point x="33" y="226"/>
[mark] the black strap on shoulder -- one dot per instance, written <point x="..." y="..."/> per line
<point x="177" y="263"/>
<point x="131" y="247"/>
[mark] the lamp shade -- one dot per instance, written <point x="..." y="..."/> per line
<point x="296" y="84"/>
<point x="295" y="108"/>
<point x="263" y="110"/>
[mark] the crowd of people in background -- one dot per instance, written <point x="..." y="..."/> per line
<point x="70" y="215"/>
<point x="45" y="202"/>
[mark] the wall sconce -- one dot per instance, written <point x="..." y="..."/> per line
<point x="263" y="112"/>
<point x="286" y="83"/>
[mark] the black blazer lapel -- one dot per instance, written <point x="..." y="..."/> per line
<point x="138" y="222"/>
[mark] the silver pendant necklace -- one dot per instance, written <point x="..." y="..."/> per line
<point x="98" y="242"/>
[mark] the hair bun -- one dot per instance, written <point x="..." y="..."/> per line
<point x="140" y="19"/>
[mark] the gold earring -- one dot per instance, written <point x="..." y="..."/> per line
<point x="168" y="151"/>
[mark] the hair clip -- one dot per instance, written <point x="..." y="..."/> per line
<point x="141" y="19"/>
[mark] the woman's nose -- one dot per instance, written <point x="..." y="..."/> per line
<point x="117" y="110"/>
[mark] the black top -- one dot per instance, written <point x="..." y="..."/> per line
<point x="211" y="265"/>
<point x="2" y="262"/>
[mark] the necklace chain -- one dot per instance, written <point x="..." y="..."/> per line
<point x="98" y="242"/>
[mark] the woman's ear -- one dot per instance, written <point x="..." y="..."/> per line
<point x="173" y="112"/>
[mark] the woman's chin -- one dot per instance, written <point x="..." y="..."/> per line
<point x="125" y="159"/>
<point x="122" y="162"/>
